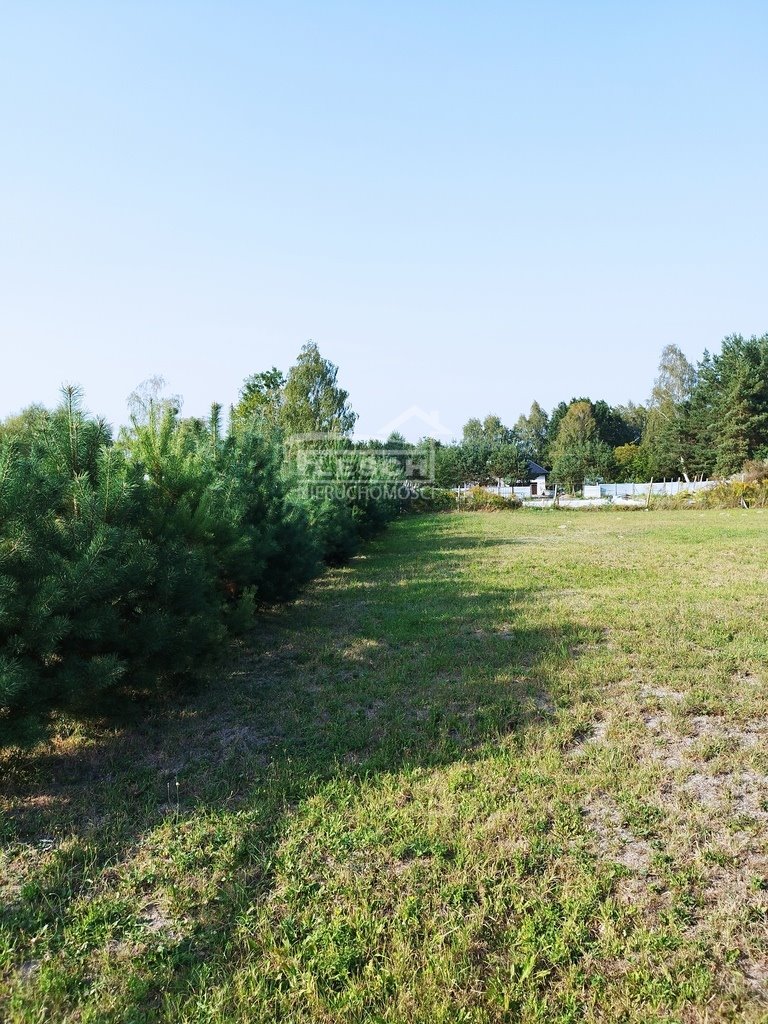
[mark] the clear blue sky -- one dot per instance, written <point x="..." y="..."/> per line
<point x="466" y="205"/>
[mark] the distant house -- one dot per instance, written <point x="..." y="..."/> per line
<point x="538" y="477"/>
<point x="532" y="485"/>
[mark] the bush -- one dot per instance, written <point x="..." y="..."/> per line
<point x="479" y="500"/>
<point x="426" y="500"/>
<point x="728" y="494"/>
<point x="734" y="494"/>
<point x="755" y="471"/>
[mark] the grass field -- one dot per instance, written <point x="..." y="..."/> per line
<point x="505" y="767"/>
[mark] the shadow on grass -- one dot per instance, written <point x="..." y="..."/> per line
<point x="387" y="666"/>
<point x="446" y="542"/>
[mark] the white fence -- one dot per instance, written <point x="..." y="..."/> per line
<point x="505" y="491"/>
<point x="667" y="487"/>
<point x="593" y="491"/>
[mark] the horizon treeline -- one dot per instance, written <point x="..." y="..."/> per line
<point x="702" y="420"/>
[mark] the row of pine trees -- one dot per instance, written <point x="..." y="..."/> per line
<point x="128" y="562"/>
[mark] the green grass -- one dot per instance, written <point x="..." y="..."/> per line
<point x="500" y="768"/>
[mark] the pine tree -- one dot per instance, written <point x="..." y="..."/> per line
<point x="742" y="401"/>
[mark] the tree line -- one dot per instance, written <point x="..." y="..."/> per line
<point x="703" y="420"/>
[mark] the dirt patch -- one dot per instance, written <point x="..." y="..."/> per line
<point x="157" y="921"/>
<point x="374" y="709"/>
<point x="613" y="839"/>
<point x="119" y="949"/>
<point x="244" y="736"/>
<point x="362" y="650"/>
<point x="718" y="799"/>
<point x="592" y="736"/>
<point x="739" y="794"/>
<point x="756" y="977"/>
<point x="661" y="693"/>
<point x="542" y="704"/>
<point x="29" y="969"/>
<point x="704" y="737"/>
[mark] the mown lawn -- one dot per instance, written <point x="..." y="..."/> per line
<point x="506" y="767"/>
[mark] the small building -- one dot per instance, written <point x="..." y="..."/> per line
<point x="538" y="477"/>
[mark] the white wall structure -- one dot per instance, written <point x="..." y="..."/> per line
<point x="668" y="487"/>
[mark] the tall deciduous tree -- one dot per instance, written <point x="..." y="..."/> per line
<point x="149" y="400"/>
<point x="635" y="417"/>
<point x="506" y="462"/>
<point x="495" y="432"/>
<point x="472" y="431"/>
<point x="313" y="402"/>
<point x="532" y="431"/>
<point x="450" y="467"/>
<point x="577" y="427"/>
<point x="611" y="427"/>
<point x="666" y="441"/>
<point x="578" y="453"/>
<point x="629" y="463"/>
<point x="489" y="451"/>
<point x="261" y="398"/>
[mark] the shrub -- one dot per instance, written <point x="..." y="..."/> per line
<point x="755" y="471"/>
<point x="734" y="494"/>
<point x="728" y="494"/>
<point x="479" y="500"/>
<point x="425" y="500"/>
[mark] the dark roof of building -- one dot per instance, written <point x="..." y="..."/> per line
<point x="535" y="469"/>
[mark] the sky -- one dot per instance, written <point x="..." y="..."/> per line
<point x="467" y="206"/>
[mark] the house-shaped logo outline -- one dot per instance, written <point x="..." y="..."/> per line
<point x="436" y="428"/>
